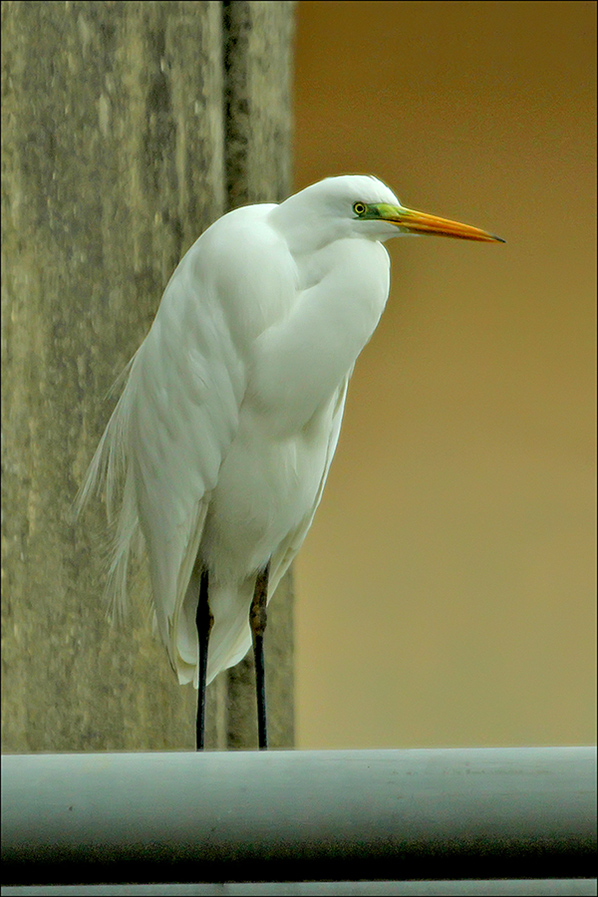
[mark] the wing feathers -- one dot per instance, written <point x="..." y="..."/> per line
<point x="162" y="449"/>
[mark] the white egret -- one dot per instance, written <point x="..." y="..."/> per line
<point x="219" y="447"/>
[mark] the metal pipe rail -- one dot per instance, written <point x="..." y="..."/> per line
<point x="487" y="813"/>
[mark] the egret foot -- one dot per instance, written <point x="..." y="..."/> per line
<point x="204" y="622"/>
<point x="258" y="619"/>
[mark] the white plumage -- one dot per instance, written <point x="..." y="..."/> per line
<point x="219" y="447"/>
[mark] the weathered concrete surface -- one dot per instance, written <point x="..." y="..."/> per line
<point x="114" y="119"/>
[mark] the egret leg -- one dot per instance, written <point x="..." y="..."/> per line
<point x="258" y="619"/>
<point x="204" y="622"/>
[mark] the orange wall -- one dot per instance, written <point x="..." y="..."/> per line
<point x="446" y="590"/>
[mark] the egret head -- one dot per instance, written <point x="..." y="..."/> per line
<point x="360" y="206"/>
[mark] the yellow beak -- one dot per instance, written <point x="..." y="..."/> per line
<point x="422" y="223"/>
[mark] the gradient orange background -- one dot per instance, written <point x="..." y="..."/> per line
<point x="446" y="591"/>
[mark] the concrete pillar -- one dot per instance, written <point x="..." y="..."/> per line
<point x="115" y="156"/>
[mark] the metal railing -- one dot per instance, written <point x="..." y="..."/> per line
<point x="504" y="813"/>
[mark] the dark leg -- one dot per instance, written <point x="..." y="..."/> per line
<point x="204" y="621"/>
<point x="258" y="619"/>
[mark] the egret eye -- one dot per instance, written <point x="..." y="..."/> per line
<point x="359" y="208"/>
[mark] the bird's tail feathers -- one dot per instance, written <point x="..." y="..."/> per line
<point x="180" y="632"/>
<point x="125" y="537"/>
<point x="109" y="473"/>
